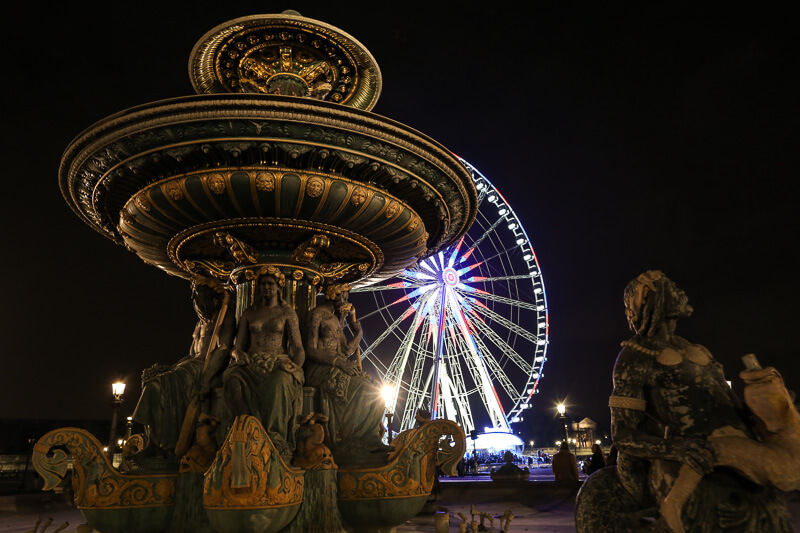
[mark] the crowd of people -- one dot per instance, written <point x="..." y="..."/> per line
<point x="564" y="463"/>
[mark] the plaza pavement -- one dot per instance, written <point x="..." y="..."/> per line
<point x="539" y="505"/>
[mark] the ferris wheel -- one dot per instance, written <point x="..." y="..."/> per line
<point x="467" y="326"/>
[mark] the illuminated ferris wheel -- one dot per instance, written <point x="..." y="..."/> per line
<point x="467" y="326"/>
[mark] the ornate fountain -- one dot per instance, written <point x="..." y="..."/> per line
<point x="276" y="163"/>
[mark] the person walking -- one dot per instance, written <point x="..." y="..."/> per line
<point x="565" y="468"/>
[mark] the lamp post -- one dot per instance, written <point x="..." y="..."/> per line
<point x="562" y="410"/>
<point x="117" y="389"/>
<point x="388" y="395"/>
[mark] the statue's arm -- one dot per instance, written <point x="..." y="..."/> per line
<point x="629" y="413"/>
<point x="219" y="356"/>
<point x="242" y="339"/>
<point x="295" y="342"/>
<point x="314" y="349"/>
<point x="349" y="348"/>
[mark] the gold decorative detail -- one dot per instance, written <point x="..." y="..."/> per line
<point x="252" y="273"/>
<point x="269" y="481"/>
<point x="240" y="251"/>
<point x="413" y="225"/>
<point x="412" y="466"/>
<point x="218" y="269"/>
<point x="142" y="202"/>
<point x="315" y="280"/>
<point x="96" y="483"/>
<point x="216" y="182"/>
<point x="393" y="210"/>
<point x="359" y="196"/>
<point x="297" y="274"/>
<point x="265" y="181"/>
<point x="306" y="252"/>
<point x="315" y="186"/>
<point x="334" y="271"/>
<point x="126" y="217"/>
<point x="173" y="190"/>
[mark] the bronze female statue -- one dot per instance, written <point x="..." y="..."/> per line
<point x="355" y="402"/>
<point x="265" y="377"/>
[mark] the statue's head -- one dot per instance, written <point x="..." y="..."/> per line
<point x="652" y="298"/>
<point x="337" y="293"/>
<point x="206" y="300"/>
<point x="270" y="282"/>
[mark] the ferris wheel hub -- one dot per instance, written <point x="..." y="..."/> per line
<point x="450" y="277"/>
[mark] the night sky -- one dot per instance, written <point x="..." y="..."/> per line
<point x="653" y="137"/>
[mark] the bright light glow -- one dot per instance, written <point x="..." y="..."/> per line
<point x="527" y="257"/>
<point x="118" y="389"/>
<point x="561" y="408"/>
<point x="597" y="441"/>
<point x="498" y="440"/>
<point x="130" y="418"/>
<point x="388" y="395"/>
<point x="503" y="211"/>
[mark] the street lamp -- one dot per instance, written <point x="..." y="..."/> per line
<point x="388" y="395"/>
<point x="117" y="389"/>
<point x="562" y="410"/>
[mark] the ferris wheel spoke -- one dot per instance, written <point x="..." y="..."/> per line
<point x="454" y="366"/>
<point x="486" y="389"/>
<point x="481" y="279"/>
<point x="507" y="350"/>
<point x="495" y="298"/>
<point x="391" y="287"/>
<point x="504" y="251"/>
<point x="485" y="234"/>
<point x="417" y="389"/>
<point x="509" y="325"/>
<point x="385" y="333"/>
<point x="497" y="370"/>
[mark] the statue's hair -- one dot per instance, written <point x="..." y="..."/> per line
<point x="274" y="273"/>
<point x="334" y="289"/>
<point x="645" y="302"/>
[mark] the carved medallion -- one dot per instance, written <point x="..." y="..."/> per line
<point x="216" y="182"/>
<point x="315" y="186"/>
<point x="359" y="196"/>
<point x="173" y="190"/>
<point x="142" y="202"/>
<point x="265" y="181"/>
<point x="393" y="210"/>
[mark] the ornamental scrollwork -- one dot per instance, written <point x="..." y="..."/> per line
<point x="96" y="483"/>
<point x="249" y="473"/>
<point x="412" y="466"/>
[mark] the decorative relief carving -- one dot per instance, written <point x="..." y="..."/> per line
<point x="216" y="183"/>
<point x="315" y="186"/>
<point x="95" y="482"/>
<point x="412" y="466"/>
<point x="173" y="190"/>
<point x="142" y="202"/>
<point x="249" y="473"/>
<point x="393" y="210"/>
<point x="359" y="196"/>
<point x="265" y="181"/>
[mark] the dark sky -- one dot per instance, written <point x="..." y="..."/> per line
<point x="657" y="136"/>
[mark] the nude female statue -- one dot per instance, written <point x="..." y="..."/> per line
<point x="265" y="377"/>
<point x="355" y="402"/>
